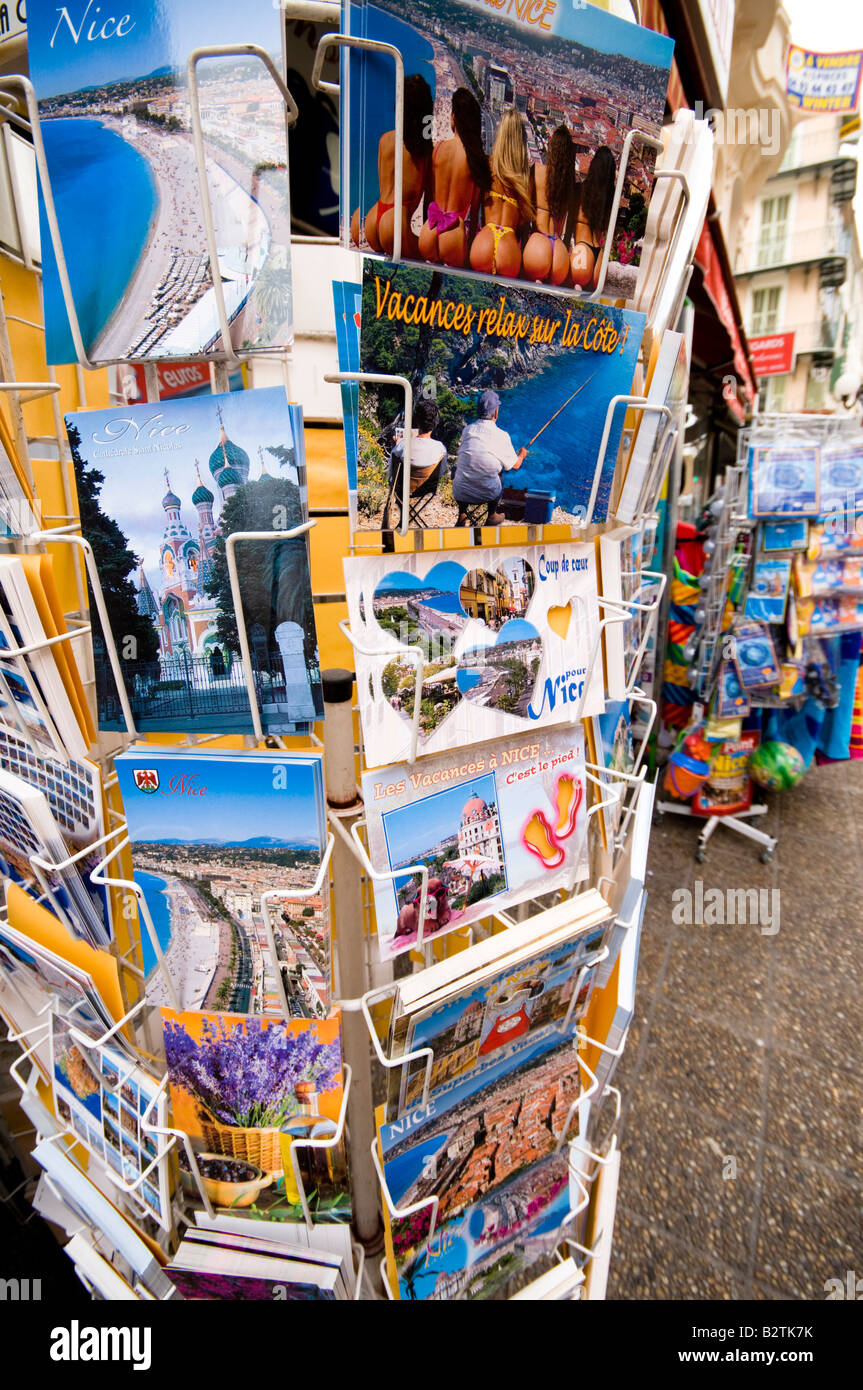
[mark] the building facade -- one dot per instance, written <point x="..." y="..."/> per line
<point x="798" y="270"/>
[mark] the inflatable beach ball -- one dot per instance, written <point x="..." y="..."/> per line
<point x="776" y="766"/>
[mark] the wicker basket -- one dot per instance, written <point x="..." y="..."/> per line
<point x="258" y="1146"/>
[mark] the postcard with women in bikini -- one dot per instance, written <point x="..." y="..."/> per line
<point x="522" y="124"/>
<point x="511" y="386"/>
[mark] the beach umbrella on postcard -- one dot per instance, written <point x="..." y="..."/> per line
<point x="470" y="866"/>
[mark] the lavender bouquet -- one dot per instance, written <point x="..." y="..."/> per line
<point x="244" y="1073"/>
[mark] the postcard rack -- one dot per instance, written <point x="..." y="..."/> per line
<point x="363" y="986"/>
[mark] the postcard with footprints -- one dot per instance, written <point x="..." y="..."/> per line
<point x="505" y="642"/>
<point x="500" y="824"/>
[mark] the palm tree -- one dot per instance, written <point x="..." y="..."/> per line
<point x="272" y="293"/>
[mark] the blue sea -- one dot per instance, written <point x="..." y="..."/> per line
<point x="158" y="904"/>
<point x="402" y="1172"/>
<point x="443" y="603"/>
<point x="373" y="100"/>
<point x="562" y="460"/>
<point x="106" y="197"/>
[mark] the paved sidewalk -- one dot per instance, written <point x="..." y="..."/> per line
<point x="742" y="1121"/>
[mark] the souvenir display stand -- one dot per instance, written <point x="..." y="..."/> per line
<point x="781" y="573"/>
<point x="730" y="518"/>
<point x="118" y="1259"/>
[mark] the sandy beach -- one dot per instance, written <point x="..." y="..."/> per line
<point x="193" y="952"/>
<point x="177" y="239"/>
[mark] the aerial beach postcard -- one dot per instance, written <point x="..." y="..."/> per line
<point x="116" y="121"/>
<point x="491" y="1150"/>
<point x="210" y="833"/>
<point x="482" y="1025"/>
<point x="495" y="97"/>
<point x="493" y="829"/>
<point x="511" y="387"/>
<point x="175" y="479"/>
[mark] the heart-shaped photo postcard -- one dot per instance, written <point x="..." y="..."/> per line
<point x="471" y="636"/>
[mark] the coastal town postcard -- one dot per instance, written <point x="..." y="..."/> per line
<point x="495" y="96"/>
<point x="503" y="823"/>
<point x="491" y="1024"/>
<point x="115" y="111"/>
<point x="211" y="833"/>
<point x="492" y="1151"/>
<point x="106" y="1102"/>
<point x="490" y="642"/>
<point x="162" y="487"/>
<point x="511" y="387"/>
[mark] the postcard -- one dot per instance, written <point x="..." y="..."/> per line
<point x="73" y="986"/>
<point x="28" y="832"/>
<point x="503" y="824"/>
<point x="732" y="701"/>
<point x="615" y="752"/>
<point x="172" y="481"/>
<point x="620" y="561"/>
<point x="668" y="380"/>
<point x="506" y="639"/>
<point x="115" y="112"/>
<point x="245" y="1089"/>
<point x="92" y="1208"/>
<point x="784" y="480"/>
<point x="785" y="535"/>
<point x="491" y="1024"/>
<point x="502" y="105"/>
<point x="48" y="704"/>
<point x="210" y="834"/>
<point x="235" y="1270"/>
<point x="842" y="477"/>
<point x="492" y="1150"/>
<point x="103" y="1098"/>
<point x="754" y="655"/>
<point x="511" y="387"/>
<point x="768" y="589"/>
<point x="347" y="303"/>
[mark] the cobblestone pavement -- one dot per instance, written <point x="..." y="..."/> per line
<point x="742" y="1120"/>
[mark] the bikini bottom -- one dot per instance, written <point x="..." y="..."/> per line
<point x="440" y="220"/>
<point x="498" y="233"/>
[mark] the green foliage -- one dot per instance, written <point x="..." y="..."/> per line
<point x="485" y="889"/>
<point x="274" y="575"/>
<point x="115" y="561"/>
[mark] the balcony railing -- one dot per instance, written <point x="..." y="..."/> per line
<point x="818" y="336"/>
<point x="793" y="247"/>
<point x="806" y="150"/>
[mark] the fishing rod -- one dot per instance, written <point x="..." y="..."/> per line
<point x="562" y="408"/>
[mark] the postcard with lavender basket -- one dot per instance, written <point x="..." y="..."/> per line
<point x="245" y="1090"/>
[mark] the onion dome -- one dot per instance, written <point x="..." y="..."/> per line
<point x="228" y="457"/>
<point x="201" y="495"/>
<point x="170" y="501"/>
<point x="229" y="477"/>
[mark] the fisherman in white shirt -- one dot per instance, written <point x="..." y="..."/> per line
<point x="485" y="452"/>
